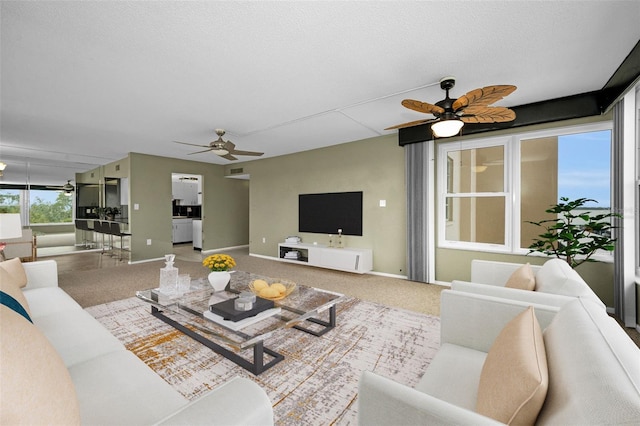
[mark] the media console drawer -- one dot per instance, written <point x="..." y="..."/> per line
<point x="342" y="259"/>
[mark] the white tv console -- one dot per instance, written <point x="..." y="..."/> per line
<point x="343" y="259"/>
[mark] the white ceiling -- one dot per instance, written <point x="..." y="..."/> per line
<point x="85" y="83"/>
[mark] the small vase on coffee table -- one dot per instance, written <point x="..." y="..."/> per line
<point x="219" y="280"/>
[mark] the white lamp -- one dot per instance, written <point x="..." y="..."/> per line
<point x="10" y="227"/>
<point x="446" y="128"/>
<point x="220" y="151"/>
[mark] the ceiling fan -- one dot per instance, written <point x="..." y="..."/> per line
<point x="67" y="188"/>
<point x="452" y="114"/>
<point x="225" y="149"/>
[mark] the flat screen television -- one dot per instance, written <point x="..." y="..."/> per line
<point x="328" y="212"/>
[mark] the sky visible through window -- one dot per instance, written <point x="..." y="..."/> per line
<point x="48" y="197"/>
<point x="584" y="167"/>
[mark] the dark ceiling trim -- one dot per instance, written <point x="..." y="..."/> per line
<point x="576" y="106"/>
<point x="627" y="73"/>
<point x="25" y="186"/>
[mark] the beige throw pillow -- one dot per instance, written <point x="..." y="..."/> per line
<point x="36" y="386"/>
<point x="514" y="378"/>
<point x="522" y="278"/>
<point x="15" y="269"/>
<point x="11" y="286"/>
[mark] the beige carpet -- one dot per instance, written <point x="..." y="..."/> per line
<point x="316" y="383"/>
<point x="96" y="286"/>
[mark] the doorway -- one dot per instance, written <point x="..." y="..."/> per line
<point x="186" y="205"/>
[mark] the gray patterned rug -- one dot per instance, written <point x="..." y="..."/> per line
<point x="316" y="384"/>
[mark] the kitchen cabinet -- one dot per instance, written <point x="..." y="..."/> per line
<point x="197" y="234"/>
<point x="186" y="192"/>
<point x="182" y="230"/>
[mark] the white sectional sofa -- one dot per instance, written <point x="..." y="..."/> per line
<point x="109" y="384"/>
<point x="593" y="368"/>
<point x="556" y="283"/>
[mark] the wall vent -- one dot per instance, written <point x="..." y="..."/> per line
<point x="92" y="174"/>
<point x="117" y="167"/>
<point x="236" y="171"/>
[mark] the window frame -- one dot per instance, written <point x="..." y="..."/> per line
<point x="512" y="157"/>
<point x="443" y="195"/>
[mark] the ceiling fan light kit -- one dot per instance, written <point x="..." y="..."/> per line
<point x="446" y="128"/>
<point x="452" y="114"/>
<point x="220" y="151"/>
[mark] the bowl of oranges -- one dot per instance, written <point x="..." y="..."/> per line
<point x="272" y="289"/>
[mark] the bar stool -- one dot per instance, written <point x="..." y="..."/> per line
<point x="103" y="229"/>
<point x="116" y="232"/>
<point x="82" y="226"/>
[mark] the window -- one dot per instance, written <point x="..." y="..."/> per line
<point x="576" y="165"/>
<point x="475" y="202"/>
<point x="48" y="206"/>
<point x="38" y="206"/>
<point x="9" y="201"/>
<point x="490" y="188"/>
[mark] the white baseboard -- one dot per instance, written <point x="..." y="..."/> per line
<point x="145" y="260"/>
<point x="218" y="250"/>
<point x="263" y="256"/>
<point x="384" y="274"/>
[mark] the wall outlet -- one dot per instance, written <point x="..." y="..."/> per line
<point x="264" y="240"/>
<point x="383" y="203"/>
<point x="149" y="242"/>
<point x="136" y="206"/>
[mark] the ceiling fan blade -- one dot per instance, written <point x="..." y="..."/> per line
<point x="483" y="96"/>
<point x="257" y="154"/>
<point x="486" y="114"/>
<point x="200" y="152"/>
<point x="192" y="144"/>
<point x="422" y="107"/>
<point x="229" y="157"/>
<point x="412" y="123"/>
<point x="231" y="147"/>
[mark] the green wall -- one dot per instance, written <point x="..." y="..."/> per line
<point x="374" y="166"/>
<point x="224" y="206"/>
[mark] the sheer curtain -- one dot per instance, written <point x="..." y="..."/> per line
<point x="624" y="202"/>
<point x="419" y="178"/>
<point x="617" y="175"/>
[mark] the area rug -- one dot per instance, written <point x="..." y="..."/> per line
<point x="316" y="384"/>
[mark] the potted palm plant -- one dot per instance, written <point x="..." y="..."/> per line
<point x="575" y="235"/>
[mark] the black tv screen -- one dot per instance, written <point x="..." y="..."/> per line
<point x="326" y="213"/>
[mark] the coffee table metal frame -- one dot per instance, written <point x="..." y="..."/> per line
<point x="162" y="311"/>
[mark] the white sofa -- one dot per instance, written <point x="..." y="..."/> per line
<point x="112" y="385"/>
<point x="556" y="283"/>
<point x="593" y="367"/>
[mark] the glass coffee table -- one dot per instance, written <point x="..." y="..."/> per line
<point x="307" y="309"/>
